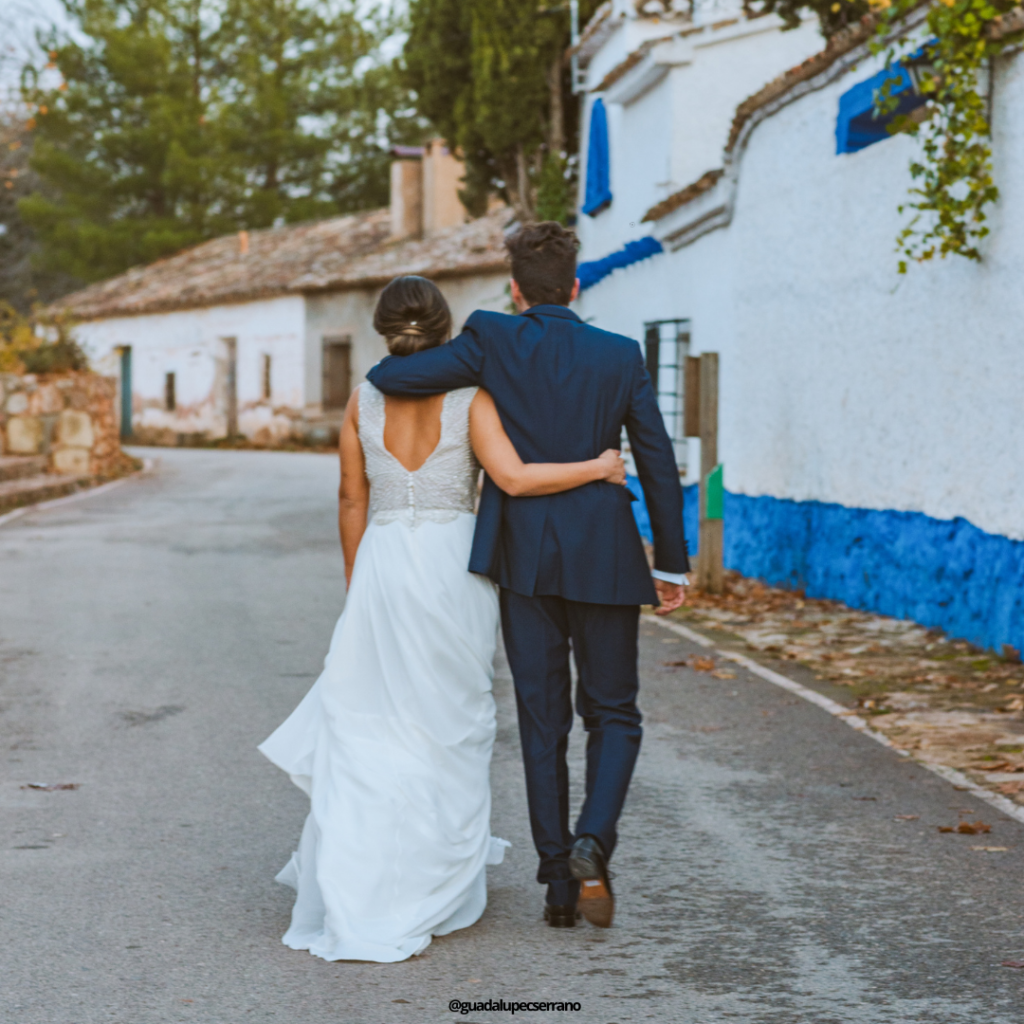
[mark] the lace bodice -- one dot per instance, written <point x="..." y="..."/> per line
<point x="442" y="488"/>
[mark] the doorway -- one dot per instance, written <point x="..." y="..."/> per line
<point x="337" y="371"/>
<point x="230" y="355"/>
<point x="126" y="392"/>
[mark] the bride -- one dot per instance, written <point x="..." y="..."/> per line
<point x="393" y="742"/>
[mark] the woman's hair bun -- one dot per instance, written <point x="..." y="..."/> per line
<point x="412" y="315"/>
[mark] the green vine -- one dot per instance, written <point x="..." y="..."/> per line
<point x="953" y="182"/>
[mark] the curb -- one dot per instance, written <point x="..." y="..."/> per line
<point x="853" y="720"/>
<point x="147" y="466"/>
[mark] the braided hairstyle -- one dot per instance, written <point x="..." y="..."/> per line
<point x="412" y="315"/>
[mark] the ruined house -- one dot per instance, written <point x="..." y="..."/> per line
<point x="265" y="333"/>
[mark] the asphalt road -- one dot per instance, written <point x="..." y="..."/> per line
<point x="152" y="635"/>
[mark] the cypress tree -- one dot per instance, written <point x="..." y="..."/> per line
<point x="491" y="76"/>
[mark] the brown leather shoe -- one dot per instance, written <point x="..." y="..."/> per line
<point x="587" y="863"/>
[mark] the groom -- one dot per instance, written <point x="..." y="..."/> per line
<point x="571" y="566"/>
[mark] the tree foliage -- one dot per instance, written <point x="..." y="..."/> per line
<point x="491" y="77"/>
<point x="159" y="123"/>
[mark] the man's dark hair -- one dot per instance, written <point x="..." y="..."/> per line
<point x="543" y="259"/>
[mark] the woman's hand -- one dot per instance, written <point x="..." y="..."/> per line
<point x="614" y="466"/>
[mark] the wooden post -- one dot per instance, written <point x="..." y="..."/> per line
<point x="710" y="575"/>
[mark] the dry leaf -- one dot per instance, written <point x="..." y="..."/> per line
<point x="51" y="787"/>
<point x="682" y="663"/>
<point x="991" y="849"/>
<point x="973" y="828"/>
<point x="1013" y="963"/>
<point x="721" y="674"/>
<point x="702" y="664"/>
<point x="906" y="817"/>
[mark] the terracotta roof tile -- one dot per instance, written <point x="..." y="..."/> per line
<point x="704" y="183"/>
<point x="339" y="253"/>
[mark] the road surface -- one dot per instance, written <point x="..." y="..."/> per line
<point x="775" y="867"/>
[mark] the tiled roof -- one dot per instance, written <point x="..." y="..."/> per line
<point x="706" y="181"/>
<point x="626" y="65"/>
<point x="336" y="254"/>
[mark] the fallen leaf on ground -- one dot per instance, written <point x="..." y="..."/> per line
<point x="1013" y="963"/>
<point x="723" y="675"/>
<point x="50" y="787"/>
<point x="906" y="817"/>
<point x="702" y="664"/>
<point x="968" y="828"/>
<point x="991" y="849"/>
<point x="682" y="663"/>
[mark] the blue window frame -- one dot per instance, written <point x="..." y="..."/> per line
<point x="858" y="126"/>
<point x="598" y="195"/>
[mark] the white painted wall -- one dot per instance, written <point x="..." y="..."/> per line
<point x="290" y="329"/>
<point x="190" y="344"/>
<point x="840" y="380"/>
<point x="665" y="138"/>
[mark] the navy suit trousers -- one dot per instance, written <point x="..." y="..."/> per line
<point x="538" y="631"/>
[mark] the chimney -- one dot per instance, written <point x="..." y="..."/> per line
<point x="425" y="184"/>
<point x="442" y="177"/>
<point x="406" y="192"/>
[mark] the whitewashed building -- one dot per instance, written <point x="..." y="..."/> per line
<point x="871" y="425"/>
<point x="265" y="333"/>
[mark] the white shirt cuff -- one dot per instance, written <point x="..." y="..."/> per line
<point x="678" y="578"/>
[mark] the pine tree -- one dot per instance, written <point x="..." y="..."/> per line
<point x="173" y="121"/>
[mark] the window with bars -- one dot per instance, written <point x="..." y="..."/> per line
<point x="666" y="346"/>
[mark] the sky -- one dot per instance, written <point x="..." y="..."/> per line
<point x="19" y="20"/>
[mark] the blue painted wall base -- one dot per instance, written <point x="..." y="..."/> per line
<point x="942" y="573"/>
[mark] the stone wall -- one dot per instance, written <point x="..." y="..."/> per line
<point x="69" y="417"/>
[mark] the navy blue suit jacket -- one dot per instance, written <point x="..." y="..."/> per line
<point x="564" y="390"/>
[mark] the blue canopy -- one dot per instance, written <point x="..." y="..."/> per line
<point x="858" y="124"/>
<point x="593" y="271"/>
<point x="599" y="191"/>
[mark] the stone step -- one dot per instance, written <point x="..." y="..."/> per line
<point x="16" y="467"/>
<point x="31" y="490"/>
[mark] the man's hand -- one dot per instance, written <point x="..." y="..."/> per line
<point x="671" y="595"/>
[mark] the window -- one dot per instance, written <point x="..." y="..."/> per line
<point x="337" y="371"/>
<point x="666" y="346"/>
<point x="265" y="383"/>
<point x="858" y="126"/>
<point x="170" y="396"/>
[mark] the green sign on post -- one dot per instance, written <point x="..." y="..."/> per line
<point x="714" y="494"/>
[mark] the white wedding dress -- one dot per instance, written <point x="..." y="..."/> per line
<point x="393" y="742"/>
